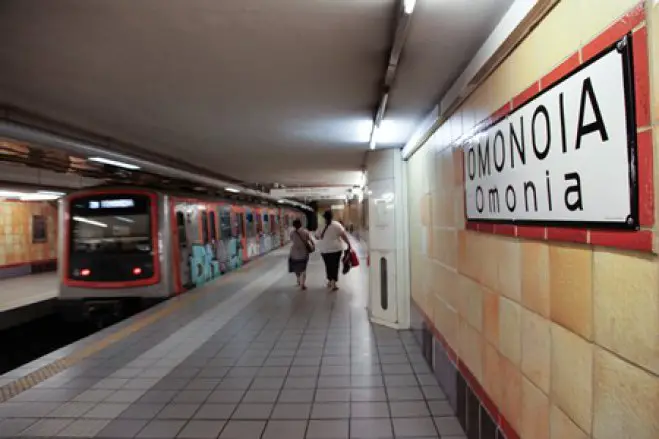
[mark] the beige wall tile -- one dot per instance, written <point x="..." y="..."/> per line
<point x="492" y="373"/>
<point x="535" y="412"/>
<point x="442" y="208"/>
<point x="444" y="280"/>
<point x="562" y="427"/>
<point x="464" y="262"/>
<point x="471" y="349"/>
<point x="535" y="277"/>
<point x="556" y="37"/>
<point x="446" y="246"/>
<point x="571" y="290"/>
<point x="511" y="393"/>
<point x="509" y="269"/>
<point x="447" y="320"/>
<point x="599" y="18"/>
<point x="487" y="250"/>
<point x="470" y="301"/>
<point x="491" y="317"/>
<point x="536" y="349"/>
<point x="459" y="220"/>
<point x="626" y="308"/>
<point x="510" y="330"/>
<point x="626" y="402"/>
<point x="653" y="41"/>
<point x="572" y="375"/>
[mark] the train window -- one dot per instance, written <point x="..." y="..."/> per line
<point x="111" y="224"/>
<point x="213" y="225"/>
<point x="111" y="238"/>
<point x="204" y="227"/>
<point x="251" y="227"/>
<point x="241" y="224"/>
<point x="180" y="224"/>
<point x="225" y="223"/>
<point x="266" y="223"/>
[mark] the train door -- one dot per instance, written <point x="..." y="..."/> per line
<point x="225" y="253"/>
<point x="214" y="242"/>
<point x="201" y="249"/>
<point x="188" y="222"/>
<point x="287" y="227"/>
<point x="276" y="229"/>
<point x="242" y="233"/>
<point x="267" y="230"/>
<point x="183" y="243"/>
<point x="252" y="233"/>
<point x="236" y="253"/>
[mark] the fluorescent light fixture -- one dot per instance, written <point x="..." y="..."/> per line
<point x="30" y="196"/>
<point x="88" y="221"/>
<point x="281" y="201"/>
<point x="38" y="197"/>
<point x="114" y="163"/>
<point x="231" y="189"/>
<point x="374" y="136"/>
<point x="408" y="6"/>
<point x="126" y="220"/>
<point x="11" y="194"/>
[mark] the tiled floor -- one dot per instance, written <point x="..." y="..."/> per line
<point x="256" y="359"/>
<point x="26" y="290"/>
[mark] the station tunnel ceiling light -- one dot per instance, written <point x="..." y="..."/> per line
<point x="232" y="190"/>
<point x="408" y="6"/>
<point x="116" y="163"/>
<point x="27" y="195"/>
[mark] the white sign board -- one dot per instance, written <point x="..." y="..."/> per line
<point x="315" y="192"/>
<point x="566" y="156"/>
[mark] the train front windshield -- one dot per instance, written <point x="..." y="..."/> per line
<point x="111" y="238"/>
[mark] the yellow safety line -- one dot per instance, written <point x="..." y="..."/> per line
<point x="30" y="380"/>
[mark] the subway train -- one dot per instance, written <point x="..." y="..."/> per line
<point x="123" y="248"/>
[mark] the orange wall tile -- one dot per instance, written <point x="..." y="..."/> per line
<point x="562" y="336"/>
<point x="16" y="246"/>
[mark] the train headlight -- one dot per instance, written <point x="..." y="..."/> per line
<point x="137" y="271"/>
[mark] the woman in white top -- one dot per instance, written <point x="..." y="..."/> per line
<point x="331" y="243"/>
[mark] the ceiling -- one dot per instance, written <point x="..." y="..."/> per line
<point x="260" y="90"/>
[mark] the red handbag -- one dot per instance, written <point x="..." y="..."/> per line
<point x="354" y="260"/>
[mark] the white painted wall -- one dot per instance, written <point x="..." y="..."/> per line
<point x="388" y="239"/>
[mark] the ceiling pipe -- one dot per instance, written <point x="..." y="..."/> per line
<point x="404" y="20"/>
<point x="25" y="133"/>
<point x="402" y="30"/>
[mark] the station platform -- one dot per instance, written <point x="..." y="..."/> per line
<point x="27" y="297"/>
<point x="248" y="356"/>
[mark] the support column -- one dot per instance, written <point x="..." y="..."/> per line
<point x="389" y="292"/>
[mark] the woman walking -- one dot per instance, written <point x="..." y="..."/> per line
<point x="300" y="250"/>
<point x="331" y="239"/>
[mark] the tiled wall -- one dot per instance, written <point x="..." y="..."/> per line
<point x="16" y="247"/>
<point x="553" y="336"/>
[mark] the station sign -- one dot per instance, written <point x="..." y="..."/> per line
<point x="566" y="156"/>
<point x="112" y="204"/>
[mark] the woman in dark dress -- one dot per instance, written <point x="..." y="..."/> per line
<point x="299" y="256"/>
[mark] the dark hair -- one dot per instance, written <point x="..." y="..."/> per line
<point x="297" y="223"/>
<point x="328" y="216"/>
